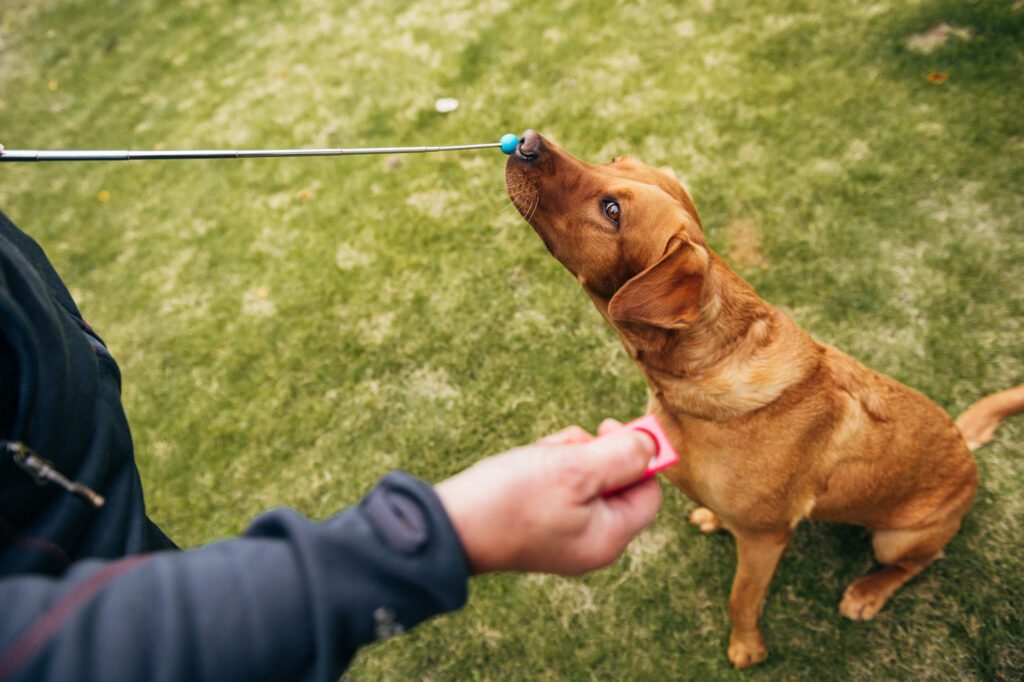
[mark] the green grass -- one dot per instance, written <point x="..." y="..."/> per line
<point x="290" y="330"/>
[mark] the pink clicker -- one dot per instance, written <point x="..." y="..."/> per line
<point x="664" y="454"/>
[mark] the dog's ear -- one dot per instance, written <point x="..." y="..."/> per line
<point x="669" y="172"/>
<point x="668" y="293"/>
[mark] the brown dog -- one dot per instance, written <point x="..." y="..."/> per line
<point x="771" y="427"/>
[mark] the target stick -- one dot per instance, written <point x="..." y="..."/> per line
<point x="507" y="144"/>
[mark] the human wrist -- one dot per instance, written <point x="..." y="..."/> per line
<point x="467" y="504"/>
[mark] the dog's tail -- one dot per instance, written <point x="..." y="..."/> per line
<point x="979" y="421"/>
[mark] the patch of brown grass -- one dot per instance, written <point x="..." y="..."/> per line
<point x="742" y="246"/>
<point x="932" y="39"/>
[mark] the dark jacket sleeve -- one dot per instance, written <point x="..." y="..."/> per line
<point x="290" y="599"/>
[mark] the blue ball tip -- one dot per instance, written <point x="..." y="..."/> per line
<point x="509" y="142"/>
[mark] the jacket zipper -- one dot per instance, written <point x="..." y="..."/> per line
<point x="42" y="472"/>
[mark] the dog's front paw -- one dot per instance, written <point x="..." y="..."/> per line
<point x="705" y="519"/>
<point x="748" y="651"/>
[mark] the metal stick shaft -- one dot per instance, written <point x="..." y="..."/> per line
<point x="126" y="155"/>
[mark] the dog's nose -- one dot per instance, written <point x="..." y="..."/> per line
<point x="529" y="145"/>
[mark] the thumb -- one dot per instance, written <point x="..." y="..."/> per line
<point x="618" y="459"/>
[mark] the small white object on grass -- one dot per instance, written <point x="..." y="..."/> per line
<point x="446" y="104"/>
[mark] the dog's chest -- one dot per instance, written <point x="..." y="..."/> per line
<point x="709" y="464"/>
<point x="736" y="475"/>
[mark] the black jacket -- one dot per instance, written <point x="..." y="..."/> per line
<point x="100" y="593"/>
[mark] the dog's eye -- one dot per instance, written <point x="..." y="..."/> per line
<point x="611" y="210"/>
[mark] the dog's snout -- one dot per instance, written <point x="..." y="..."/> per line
<point x="529" y="145"/>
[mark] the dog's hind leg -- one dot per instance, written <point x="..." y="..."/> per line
<point x="905" y="553"/>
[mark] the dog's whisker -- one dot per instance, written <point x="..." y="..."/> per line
<point x="513" y="190"/>
<point x="516" y="190"/>
<point x="533" y="208"/>
<point x="497" y="197"/>
<point x="510" y="192"/>
<point x="515" y="186"/>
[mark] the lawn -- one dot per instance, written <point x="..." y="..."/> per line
<point x="289" y="330"/>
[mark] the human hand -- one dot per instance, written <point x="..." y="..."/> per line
<point x="540" y="507"/>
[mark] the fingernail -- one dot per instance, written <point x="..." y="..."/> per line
<point x="649" y="439"/>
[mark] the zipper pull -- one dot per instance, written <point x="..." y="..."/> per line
<point x="42" y="472"/>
